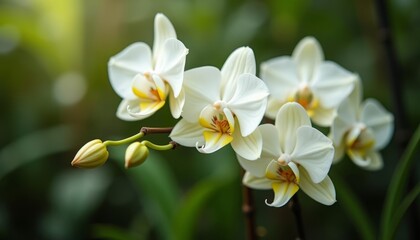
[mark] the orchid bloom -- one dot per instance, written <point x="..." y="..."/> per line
<point x="318" y="85"/>
<point x="294" y="155"/>
<point x="223" y="107"/>
<point x="361" y="129"/>
<point x="144" y="79"/>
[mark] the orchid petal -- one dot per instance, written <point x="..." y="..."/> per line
<point x="281" y="77"/>
<point x="214" y="141"/>
<point x="256" y="167"/>
<point x="323" y="116"/>
<point x="202" y="87"/>
<point x="163" y="31"/>
<point x="290" y="117"/>
<point x="273" y="106"/>
<point x="376" y="162"/>
<point x="170" y="64"/>
<point x="240" y="61"/>
<point x="339" y="151"/>
<point x="271" y="141"/>
<point x="356" y="96"/>
<point x="379" y="121"/>
<point x="323" y="192"/>
<point x="359" y="158"/>
<point x="144" y="109"/>
<point x="332" y="84"/>
<point x="283" y="192"/>
<point x="248" y="102"/>
<point x="270" y="151"/>
<point x="176" y="104"/>
<point x="150" y="90"/>
<point x="187" y="134"/>
<point x="248" y="147"/>
<point x="314" y="152"/>
<point x="255" y="182"/>
<point x="343" y="122"/>
<point x="124" y="66"/>
<point x="122" y="111"/>
<point x="308" y="56"/>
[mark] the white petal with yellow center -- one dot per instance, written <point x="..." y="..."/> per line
<point x="285" y="180"/>
<point x="219" y="127"/>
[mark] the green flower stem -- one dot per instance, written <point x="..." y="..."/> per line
<point x="142" y="133"/>
<point x="124" y="141"/>
<point x="396" y="187"/>
<point x="169" y="146"/>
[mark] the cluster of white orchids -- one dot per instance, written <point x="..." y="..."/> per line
<point x="226" y="106"/>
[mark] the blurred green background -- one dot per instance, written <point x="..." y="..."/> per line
<point x="55" y="96"/>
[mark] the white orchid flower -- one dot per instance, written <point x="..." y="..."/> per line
<point x="361" y="129"/>
<point x="223" y="107"/>
<point x="144" y="79"/>
<point x="318" y="85"/>
<point x="294" y="155"/>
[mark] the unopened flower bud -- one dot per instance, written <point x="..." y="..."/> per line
<point x="92" y="154"/>
<point x="135" y="154"/>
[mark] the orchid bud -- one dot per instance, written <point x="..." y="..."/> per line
<point x="135" y="154"/>
<point x="92" y="154"/>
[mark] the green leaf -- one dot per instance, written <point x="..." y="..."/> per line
<point x="197" y="199"/>
<point x="159" y="191"/>
<point x="354" y="209"/>
<point x="396" y="186"/>
<point x="34" y="146"/>
<point x="109" y="232"/>
<point x="403" y="207"/>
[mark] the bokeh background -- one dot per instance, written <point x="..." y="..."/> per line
<point x="55" y="96"/>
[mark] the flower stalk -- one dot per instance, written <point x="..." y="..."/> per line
<point x="249" y="212"/>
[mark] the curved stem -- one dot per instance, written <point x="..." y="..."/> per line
<point x="124" y="141"/>
<point x="169" y="146"/>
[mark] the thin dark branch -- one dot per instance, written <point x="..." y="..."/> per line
<point x="153" y="130"/>
<point x="249" y="213"/>
<point x="402" y="131"/>
<point x="295" y="207"/>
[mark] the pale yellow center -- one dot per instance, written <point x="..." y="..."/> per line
<point x="362" y="143"/>
<point x="306" y="99"/>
